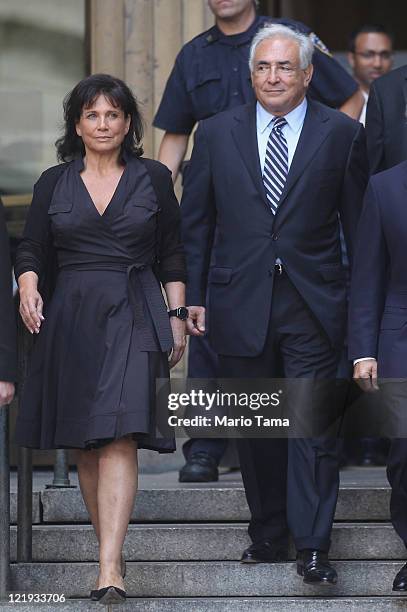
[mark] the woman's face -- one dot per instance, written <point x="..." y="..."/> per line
<point x="102" y="126"/>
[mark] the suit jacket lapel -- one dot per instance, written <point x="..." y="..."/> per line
<point x="245" y="136"/>
<point x="313" y="133"/>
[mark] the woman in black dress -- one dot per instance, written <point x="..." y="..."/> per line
<point x="101" y="235"/>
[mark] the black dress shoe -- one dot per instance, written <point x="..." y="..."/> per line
<point x="400" y="581"/>
<point x="314" y="566"/>
<point x="266" y="551"/>
<point x="108" y="595"/>
<point x="200" y="467"/>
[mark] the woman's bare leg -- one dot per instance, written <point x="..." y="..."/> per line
<point x="116" y="491"/>
<point x="88" y="474"/>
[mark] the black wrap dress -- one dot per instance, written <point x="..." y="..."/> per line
<point x="106" y="334"/>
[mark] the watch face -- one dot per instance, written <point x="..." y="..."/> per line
<point x="182" y="313"/>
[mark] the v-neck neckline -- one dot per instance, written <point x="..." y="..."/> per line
<point x="103" y="214"/>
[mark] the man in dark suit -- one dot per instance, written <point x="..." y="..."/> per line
<point x="377" y="324"/>
<point x="386" y="120"/>
<point x="274" y="177"/>
<point x="8" y="352"/>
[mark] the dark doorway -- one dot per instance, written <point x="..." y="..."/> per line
<point x="333" y="21"/>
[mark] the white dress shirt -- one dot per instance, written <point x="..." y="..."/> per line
<point x="291" y="131"/>
<point x="362" y="116"/>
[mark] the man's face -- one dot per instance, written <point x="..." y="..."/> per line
<point x="278" y="81"/>
<point x="372" y="57"/>
<point x="229" y="9"/>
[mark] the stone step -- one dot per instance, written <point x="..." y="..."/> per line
<point x="192" y="503"/>
<point x="208" y="579"/>
<point x="235" y="604"/>
<point x="201" y="542"/>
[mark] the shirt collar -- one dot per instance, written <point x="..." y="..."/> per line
<point x="242" y="38"/>
<point x="294" y="118"/>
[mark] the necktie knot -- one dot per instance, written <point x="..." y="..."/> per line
<point x="278" y="124"/>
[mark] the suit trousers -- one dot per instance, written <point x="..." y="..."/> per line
<point x="291" y="484"/>
<point x="397" y="476"/>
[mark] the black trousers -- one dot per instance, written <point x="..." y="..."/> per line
<point x="397" y="476"/>
<point x="290" y="484"/>
<point x="203" y="363"/>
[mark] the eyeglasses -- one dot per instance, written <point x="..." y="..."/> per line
<point x="369" y="55"/>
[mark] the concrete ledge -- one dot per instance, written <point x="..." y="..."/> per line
<point x="201" y="542"/>
<point x="209" y="604"/>
<point x="208" y="504"/>
<point x="209" y="579"/>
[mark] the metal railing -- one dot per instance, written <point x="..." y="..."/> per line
<point x="4" y="503"/>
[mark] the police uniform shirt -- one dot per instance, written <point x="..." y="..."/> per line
<point x="211" y="74"/>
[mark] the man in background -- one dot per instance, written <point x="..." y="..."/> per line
<point x="386" y="121"/>
<point x="8" y="351"/>
<point x="211" y="75"/>
<point x="370" y="57"/>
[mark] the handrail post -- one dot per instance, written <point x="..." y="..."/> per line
<point x="4" y="503"/>
<point x="61" y="471"/>
<point x="24" y="506"/>
<point x="25" y="475"/>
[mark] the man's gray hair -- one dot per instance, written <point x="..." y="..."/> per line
<point x="275" y="30"/>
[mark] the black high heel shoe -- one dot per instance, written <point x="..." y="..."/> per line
<point x="94" y="592"/>
<point x="109" y="595"/>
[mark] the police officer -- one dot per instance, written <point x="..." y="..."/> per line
<point x="8" y="352"/>
<point x="211" y="74"/>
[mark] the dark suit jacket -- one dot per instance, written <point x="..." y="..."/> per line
<point x="8" y="342"/>
<point x="386" y="120"/>
<point x="224" y="188"/>
<point x="378" y="298"/>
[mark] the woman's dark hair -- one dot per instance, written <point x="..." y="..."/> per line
<point x="82" y="96"/>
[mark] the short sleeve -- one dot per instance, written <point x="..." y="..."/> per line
<point x="331" y="84"/>
<point x="175" y="113"/>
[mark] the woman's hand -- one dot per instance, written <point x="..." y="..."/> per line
<point x="31" y="303"/>
<point x="6" y="393"/>
<point x="365" y="374"/>
<point x="178" y="332"/>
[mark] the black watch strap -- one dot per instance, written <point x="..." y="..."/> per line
<point x="180" y="313"/>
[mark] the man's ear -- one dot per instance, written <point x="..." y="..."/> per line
<point x="308" y="72"/>
<point x="351" y="59"/>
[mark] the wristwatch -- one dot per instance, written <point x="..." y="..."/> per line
<point x="180" y="313"/>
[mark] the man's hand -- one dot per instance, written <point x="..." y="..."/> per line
<point x="365" y="374"/>
<point x="6" y="393"/>
<point x="196" y="320"/>
<point x="178" y="333"/>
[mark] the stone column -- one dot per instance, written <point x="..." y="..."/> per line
<point x="106" y="30"/>
<point x="154" y="32"/>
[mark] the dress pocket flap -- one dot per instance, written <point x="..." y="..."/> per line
<point x="144" y="203"/>
<point x="60" y="206"/>
<point x="220" y="275"/>
<point x="197" y="80"/>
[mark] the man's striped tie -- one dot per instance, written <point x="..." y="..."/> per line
<point x="276" y="164"/>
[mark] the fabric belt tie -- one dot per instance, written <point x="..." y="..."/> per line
<point x="154" y="331"/>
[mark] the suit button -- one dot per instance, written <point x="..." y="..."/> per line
<point x="275" y="237"/>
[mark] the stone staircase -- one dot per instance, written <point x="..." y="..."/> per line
<point x="184" y="543"/>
